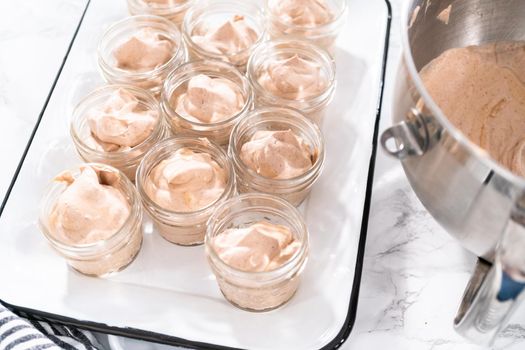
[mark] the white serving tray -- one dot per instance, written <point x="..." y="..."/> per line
<point x="169" y="294"/>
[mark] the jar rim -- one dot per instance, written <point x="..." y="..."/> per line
<point x="206" y="6"/>
<point x="290" y="44"/>
<point x="86" y="249"/>
<point x="176" y="143"/>
<point x="326" y="26"/>
<point x="168" y="8"/>
<point x="285" y="115"/>
<point x="143" y="96"/>
<point x="170" y="112"/>
<point x="299" y="257"/>
<point x="172" y="32"/>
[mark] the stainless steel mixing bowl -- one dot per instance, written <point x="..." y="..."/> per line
<point x="473" y="197"/>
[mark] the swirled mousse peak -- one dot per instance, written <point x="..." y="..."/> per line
<point x="260" y="247"/>
<point x="209" y="100"/>
<point x="277" y="154"/>
<point x="293" y="78"/>
<point x="230" y="37"/>
<point x="120" y="123"/>
<point x="90" y="209"/>
<point x="144" y="51"/>
<point x="187" y="181"/>
<point x="304" y="13"/>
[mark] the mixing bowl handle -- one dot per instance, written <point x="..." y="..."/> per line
<point x="494" y="291"/>
<point x="410" y="137"/>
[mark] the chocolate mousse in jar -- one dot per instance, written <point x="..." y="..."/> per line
<point x="293" y="73"/>
<point x="174" y="10"/>
<point x="205" y="99"/>
<point x="141" y="51"/>
<point x="117" y="125"/>
<point x="181" y="180"/>
<point x="225" y="30"/>
<point x="92" y="216"/>
<point x="257" y="247"/>
<point x="319" y="21"/>
<point x="278" y="151"/>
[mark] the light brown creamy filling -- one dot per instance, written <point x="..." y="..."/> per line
<point x="209" y="100"/>
<point x="304" y="13"/>
<point x="277" y="154"/>
<point x="185" y="182"/>
<point x="120" y="123"/>
<point x="262" y="246"/>
<point x="481" y="89"/>
<point x="144" y="51"/>
<point x="90" y="209"/>
<point x="231" y="37"/>
<point x="293" y="78"/>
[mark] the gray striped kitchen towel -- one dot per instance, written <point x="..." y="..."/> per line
<point x="30" y="333"/>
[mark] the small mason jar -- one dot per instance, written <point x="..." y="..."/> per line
<point x="182" y="228"/>
<point x="257" y="291"/>
<point x="126" y="161"/>
<point x="177" y="83"/>
<point x="295" y="189"/>
<point x="324" y="35"/>
<point x="172" y="10"/>
<point x="208" y="12"/>
<point x="314" y="107"/>
<point x="119" y="32"/>
<point x="105" y="256"/>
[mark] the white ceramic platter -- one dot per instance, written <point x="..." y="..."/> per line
<point x="169" y="294"/>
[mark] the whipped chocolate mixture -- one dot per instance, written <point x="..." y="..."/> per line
<point x="481" y="89"/>
<point x="229" y="38"/>
<point x="120" y="123"/>
<point x="262" y="246"/>
<point x="277" y="154"/>
<point x="90" y="209"/>
<point x="293" y="78"/>
<point x="209" y="100"/>
<point x="186" y="182"/>
<point x="144" y="51"/>
<point x="304" y="13"/>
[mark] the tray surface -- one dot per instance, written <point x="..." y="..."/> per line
<point x="28" y="27"/>
<point x="170" y="290"/>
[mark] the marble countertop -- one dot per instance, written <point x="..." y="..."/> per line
<point x="414" y="273"/>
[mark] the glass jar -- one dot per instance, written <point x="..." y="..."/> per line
<point x="324" y="35"/>
<point x="208" y="12"/>
<point x="257" y="291"/>
<point x="126" y="161"/>
<point x="173" y="11"/>
<point x="314" y="107"/>
<point x="183" y="228"/>
<point x="119" y="32"/>
<point x="177" y="83"/>
<point x="105" y="256"/>
<point x="295" y="189"/>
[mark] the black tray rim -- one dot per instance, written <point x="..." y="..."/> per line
<point x="160" y="338"/>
